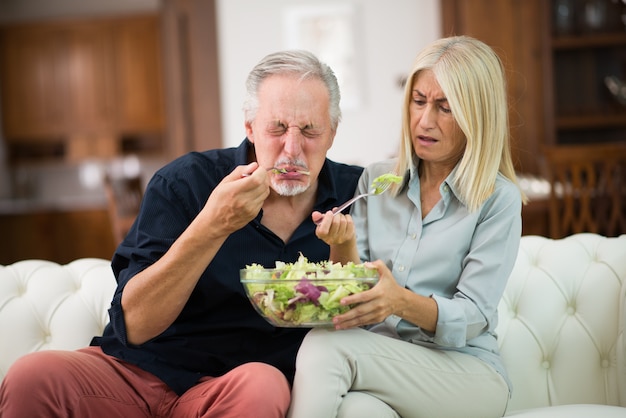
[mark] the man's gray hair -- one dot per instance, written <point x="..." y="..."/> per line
<point x="296" y="62"/>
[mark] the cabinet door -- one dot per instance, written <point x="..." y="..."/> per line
<point x="57" y="80"/>
<point x="138" y="75"/>
<point x="34" y="79"/>
<point x="87" y="85"/>
<point x="90" y="64"/>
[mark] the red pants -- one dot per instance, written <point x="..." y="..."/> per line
<point x="89" y="384"/>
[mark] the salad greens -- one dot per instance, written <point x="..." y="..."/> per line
<point x="304" y="294"/>
<point x="381" y="183"/>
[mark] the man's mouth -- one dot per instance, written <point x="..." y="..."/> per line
<point x="291" y="170"/>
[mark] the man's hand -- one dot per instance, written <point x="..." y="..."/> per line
<point x="236" y="200"/>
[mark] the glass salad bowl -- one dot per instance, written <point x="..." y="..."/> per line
<point x="304" y="294"/>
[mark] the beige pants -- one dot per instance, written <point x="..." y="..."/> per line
<point x="359" y="374"/>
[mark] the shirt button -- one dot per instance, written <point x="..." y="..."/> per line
<point x="413" y="236"/>
<point x="400" y="268"/>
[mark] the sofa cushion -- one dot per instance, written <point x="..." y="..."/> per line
<point x="572" y="411"/>
<point x="44" y="305"/>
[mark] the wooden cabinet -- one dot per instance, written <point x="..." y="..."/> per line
<point x="90" y="80"/>
<point x="34" y="75"/>
<point x="556" y="78"/>
<point x="578" y="60"/>
<point x="80" y="81"/>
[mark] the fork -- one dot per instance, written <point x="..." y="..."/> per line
<point x="379" y="189"/>
<point x="276" y="170"/>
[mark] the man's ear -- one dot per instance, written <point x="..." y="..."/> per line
<point x="332" y="139"/>
<point x="249" y="131"/>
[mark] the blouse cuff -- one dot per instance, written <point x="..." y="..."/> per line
<point x="451" y="323"/>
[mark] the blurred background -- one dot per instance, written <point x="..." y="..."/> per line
<point x="95" y="96"/>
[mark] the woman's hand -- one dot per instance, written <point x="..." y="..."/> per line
<point x="374" y="305"/>
<point x="334" y="229"/>
<point x="386" y="298"/>
<point x="338" y="232"/>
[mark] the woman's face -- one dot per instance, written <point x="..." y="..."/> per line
<point x="436" y="136"/>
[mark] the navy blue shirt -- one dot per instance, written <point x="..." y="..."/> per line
<point x="218" y="329"/>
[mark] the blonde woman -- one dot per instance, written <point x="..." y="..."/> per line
<point x="421" y="343"/>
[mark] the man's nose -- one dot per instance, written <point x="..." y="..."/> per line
<point x="293" y="140"/>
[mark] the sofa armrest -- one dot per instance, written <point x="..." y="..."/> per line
<point x="562" y="320"/>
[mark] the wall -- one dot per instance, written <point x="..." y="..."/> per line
<point x="388" y="36"/>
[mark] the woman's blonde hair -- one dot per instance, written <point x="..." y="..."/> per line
<point x="471" y="76"/>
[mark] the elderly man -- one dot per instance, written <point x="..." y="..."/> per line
<point x="183" y="338"/>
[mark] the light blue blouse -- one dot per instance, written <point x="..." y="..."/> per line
<point x="461" y="259"/>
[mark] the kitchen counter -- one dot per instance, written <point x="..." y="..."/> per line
<point x="70" y="187"/>
<point x="60" y="212"/>
<point x="60" y="204"/>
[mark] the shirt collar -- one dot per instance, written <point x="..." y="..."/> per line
<point x="447" y="183"/>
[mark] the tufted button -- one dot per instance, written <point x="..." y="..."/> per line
<point x="571" y="310"/>
<point x="605" y="364"/>
<point x="545" y="364"/>
<point x="21" y="290"/>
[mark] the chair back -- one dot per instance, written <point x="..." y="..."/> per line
<point x="588" y="189"/>
<point x="124" y="196"/>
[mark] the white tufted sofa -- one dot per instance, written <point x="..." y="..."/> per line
<point x="561" y="321"/>
<point x="44" y="305"/>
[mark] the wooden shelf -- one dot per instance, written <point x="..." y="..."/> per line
<point x="595" y="40"/>
<point x="591" y="121"/>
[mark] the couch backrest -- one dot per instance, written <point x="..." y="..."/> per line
<point x="44" y="305"/>
<point x="561" y="329"/>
